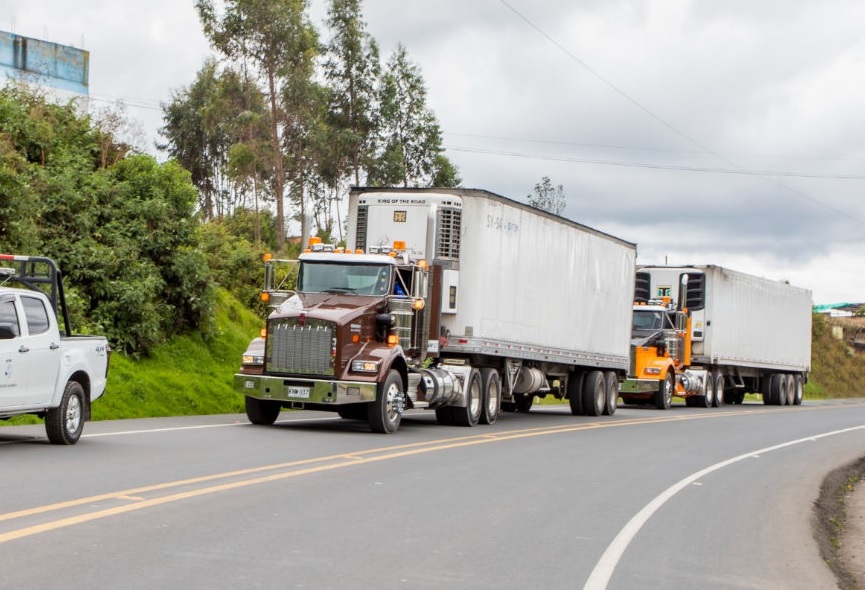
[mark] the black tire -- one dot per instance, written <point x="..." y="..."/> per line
<point x="708" y="398"/>
<point x="777" y="395"/>
<point x="469" y="415"/>
<point x="491" y="387"/>
<point x="575" y="393"/>
<point x="691" y="402"/>
<point x="612" y="389"/>
<point x="353" y="412"/>
<point x="594" y="393"/>
<point x="720" y="384"/>
<point x="384" y="417"/>
<point x="766" y="386"/>
<point x="791" y="392"/>
<point x="261" y="411"/>
<point x="663" y="398"/>
<point x="65" y="423"/>
<point x="798" y="390"/>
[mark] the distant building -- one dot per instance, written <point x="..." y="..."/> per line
<point x="61" y="71"/>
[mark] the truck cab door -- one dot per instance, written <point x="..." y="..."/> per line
<point x="13" y="384"/>
<point x="42" y="354"/>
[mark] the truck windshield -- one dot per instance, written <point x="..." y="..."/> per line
<point x="648" y="320"/>
<point x="362" y="279"/>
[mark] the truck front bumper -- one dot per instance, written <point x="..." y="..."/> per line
<point x="633" y="386"/>
<point x="311" y="391"/>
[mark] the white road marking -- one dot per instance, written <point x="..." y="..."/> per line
<point x="603" y="571"/>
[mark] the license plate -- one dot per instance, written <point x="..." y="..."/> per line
<point x="295" y="391"/>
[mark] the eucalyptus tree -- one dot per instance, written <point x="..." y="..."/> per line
<point x="548" y="197"/>
<point x="351" y="70"/>
<point x="410" y="150"/>
<point x="276" y="38"/>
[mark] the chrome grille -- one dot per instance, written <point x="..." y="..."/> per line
<point x="299" y="349"/>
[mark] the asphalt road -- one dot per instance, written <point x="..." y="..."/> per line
<point x="684" y="499"/>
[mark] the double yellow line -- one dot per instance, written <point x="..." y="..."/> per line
<point x="140" y="498"/>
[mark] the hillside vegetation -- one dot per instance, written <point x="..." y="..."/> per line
<point x="837" y="370"/>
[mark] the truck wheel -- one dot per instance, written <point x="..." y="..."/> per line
<point x="384" y="414"/>
<point x="261" y="411"/>
<point x="612" y="387"/>
<point x="594" y="393"/>
<point x="469" y="415"/>
<point x="788" y="389"/>
<point x="777" y="395"/>
<point x="719" y="388"/>
<point x="708" y="398"/>
<point x="64" y="424"/>
<point x="798" y="390"/>
<point x="575" y="393"/>
<point x="524" y="402"/>
<point x="492" y="395"/>
<point x="663" y="398"/>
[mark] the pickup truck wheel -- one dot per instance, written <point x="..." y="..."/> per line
<point x="469" y="415"/>
<point x="575" y="393"/>
<point x="594" y="393"/>
<point x="64" y="424"/>
<point x="719" y="389"/>
<point x="385" y="413"/>
<point x="492" y="395"/>
<point x="612" y="387"/>
<point x="261" y="411"/>
<point x="663" y="398"/>
<point x="798" y="390"/>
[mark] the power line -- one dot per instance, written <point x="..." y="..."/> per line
<point x="663" y="122"/>
<point x="740" y="171"/>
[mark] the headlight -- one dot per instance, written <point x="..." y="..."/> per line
<point x="364" y="366"/>
<point x="253" y="359"/>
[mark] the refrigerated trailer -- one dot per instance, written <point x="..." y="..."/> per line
<point x="459" y="301"/>
<point x="711" y="335"/>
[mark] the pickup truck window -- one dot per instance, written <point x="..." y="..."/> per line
<point x="36" y="314"/>
<point x="9" y="317"/>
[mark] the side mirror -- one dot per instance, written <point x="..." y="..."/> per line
<point x="8" y="332"/>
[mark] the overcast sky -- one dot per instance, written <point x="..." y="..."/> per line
<point x="727" y="132"/>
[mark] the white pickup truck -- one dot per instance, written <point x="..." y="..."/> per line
<point x="44" y="370"/>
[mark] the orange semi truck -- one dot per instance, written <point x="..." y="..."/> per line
<point x="710" y="335"/>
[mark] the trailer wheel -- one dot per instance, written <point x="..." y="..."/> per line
<point x="492" y="395"/>
<point x="790" y="393"/>
<point x="64" y="424"/>
<point x="719" y="380"/>
<point x="798" y="390"/>
<point x="261" y="411"/>
<point x="612" y="393"/>
<point x="384" y="414"/>
<point x="777" y="395"/>
<point x="594" y="393"/>
<point x="766" y="390"/>
<point x="575" y="393"/>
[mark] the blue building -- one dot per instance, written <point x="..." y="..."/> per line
<point x="61" y="70"/>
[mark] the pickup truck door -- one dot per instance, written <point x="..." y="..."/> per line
<point x="13" y="384"/>
<point x="41" y="350"/>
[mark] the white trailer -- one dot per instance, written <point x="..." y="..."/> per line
<point x="752" y="333"/>
<point x="455" y="300"/>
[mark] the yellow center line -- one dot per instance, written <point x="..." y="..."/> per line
<point x="307" y="467"/>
